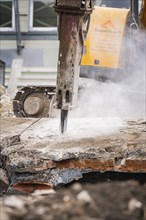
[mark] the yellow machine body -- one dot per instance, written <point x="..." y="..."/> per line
<point x="143" y="14"/>
<point x="103" y="43"/>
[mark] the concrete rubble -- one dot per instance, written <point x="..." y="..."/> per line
<point x="99" y="201"/>
<point x="6" y="106"/>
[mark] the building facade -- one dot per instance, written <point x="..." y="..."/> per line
<point x="29" y="32"/>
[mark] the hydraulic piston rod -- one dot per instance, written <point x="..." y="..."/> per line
<point x="72" y="17"/>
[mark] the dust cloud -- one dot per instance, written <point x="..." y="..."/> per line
<point x="124" y="96"/>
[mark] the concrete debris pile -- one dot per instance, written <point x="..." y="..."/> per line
<point x="6" y="107"/>
<point x="106" y="201"/>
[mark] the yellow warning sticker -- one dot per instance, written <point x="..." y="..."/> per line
<point x="104" y="39"/>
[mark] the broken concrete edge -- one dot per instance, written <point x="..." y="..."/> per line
<point x="4" y="182"/>
<point x="47" y="174"/>
<point x="42" y="159"/>
<point x="30" y="183"/>
<point x="61" y="175"/>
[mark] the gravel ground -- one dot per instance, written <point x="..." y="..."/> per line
<point x="103" y="201"/>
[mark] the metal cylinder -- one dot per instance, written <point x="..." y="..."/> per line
<point x="134" y="9"/>
<point x="33" y="106"/>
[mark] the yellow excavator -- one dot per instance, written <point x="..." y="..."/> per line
<point x="92" y="33"/>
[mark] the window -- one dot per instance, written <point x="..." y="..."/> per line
<point x="113" y="3"/>
<point x="7" y="16"/>
<point x="42" y="15"/>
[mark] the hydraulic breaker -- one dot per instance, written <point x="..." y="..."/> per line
<point x="73" y="17"/>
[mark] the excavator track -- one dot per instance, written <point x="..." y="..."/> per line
<point x="34" y="101"/>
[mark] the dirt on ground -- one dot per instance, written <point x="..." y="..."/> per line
<point x="102" y="201"/>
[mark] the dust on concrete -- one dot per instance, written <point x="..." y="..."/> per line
<point x="48" y="129"/>
<point x="82" y="133"/>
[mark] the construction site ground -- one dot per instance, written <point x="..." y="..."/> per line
<point x="93" y="150"/>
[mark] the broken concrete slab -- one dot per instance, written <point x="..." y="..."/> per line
<point x="45" y="159"/>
